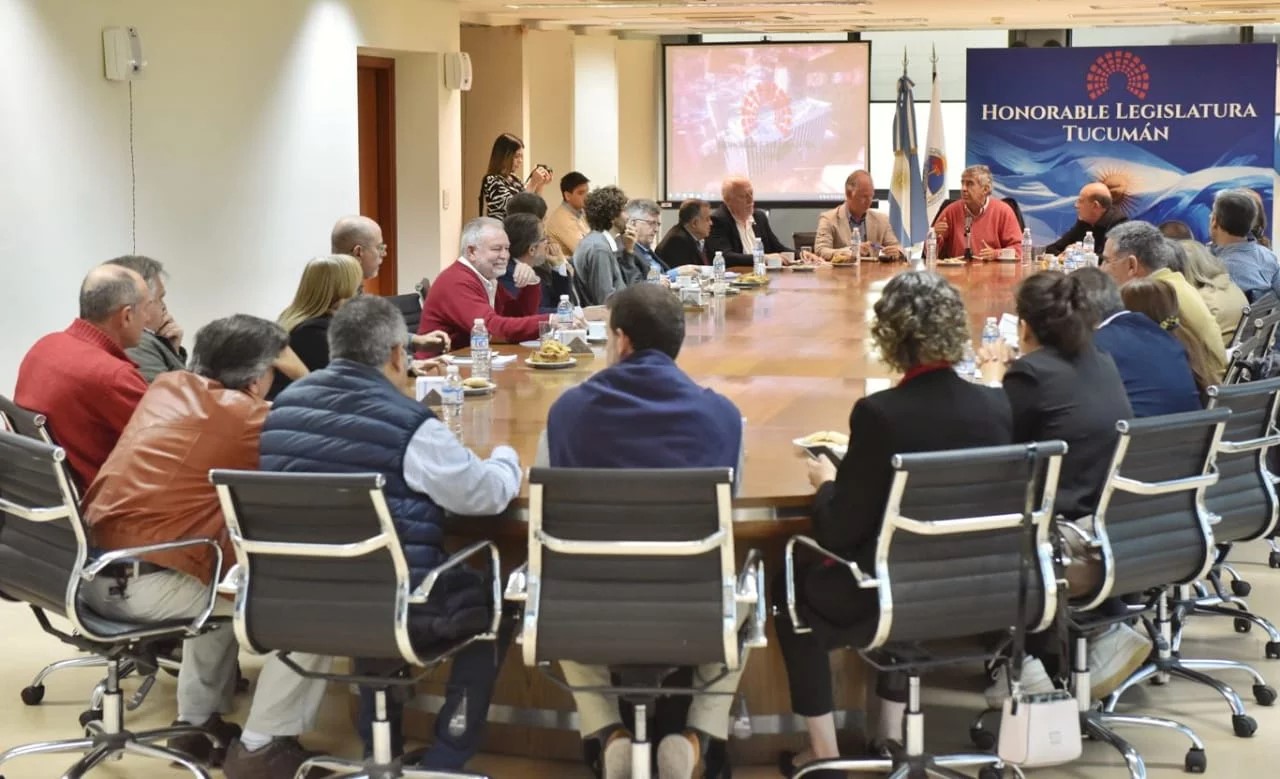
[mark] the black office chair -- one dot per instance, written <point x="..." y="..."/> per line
<point x="634" y="570"/>
<point x="1249" y="316"/>
<point x="942" y="208"/>
<point x="321" y="571"/>
<point x="1252" y="357"/>
<point x="803" y="239"/>
<point x="44" y="559"/>
<point x="949" y="562"/>
<point x="410" y="306"/>
<point x="1017" y="212"/>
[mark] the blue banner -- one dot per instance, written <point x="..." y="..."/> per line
<point x="1164" y="127"/>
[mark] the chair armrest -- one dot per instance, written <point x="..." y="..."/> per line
<point x="230" y="583"/>
<point x="750" y="590"/>
<point x="122" y="555"/>
<point x="864" y="581"/>
<point x="518" y="585"/>
<point x="423" y="591"/>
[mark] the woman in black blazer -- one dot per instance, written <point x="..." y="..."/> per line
<point x="920" y="329"/>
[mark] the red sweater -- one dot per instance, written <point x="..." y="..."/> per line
<point x="86" y="387"/>
<point x="996" y="226"/>
<point x="457" y="298"/>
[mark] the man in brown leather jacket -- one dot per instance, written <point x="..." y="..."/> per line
<point x="154" y="488"/>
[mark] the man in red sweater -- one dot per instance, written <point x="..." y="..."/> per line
<point x="81" y="379"/>
<point x="977" y="226"/>
<point x="468" y="290"/>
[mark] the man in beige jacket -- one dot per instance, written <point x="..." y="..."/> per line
<point x="835" y="227"/>
<point x="566" y="225"/>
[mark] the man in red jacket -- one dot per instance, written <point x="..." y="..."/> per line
<point x="81" y="379"/>
<point x="468" y="290"/>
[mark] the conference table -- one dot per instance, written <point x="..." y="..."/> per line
<point x="794" y="356"/>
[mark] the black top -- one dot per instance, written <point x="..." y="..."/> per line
<point x="553" y="286"/>
<point x="310" y="341"/>
<point x="1078" y="401"/>
<point x="678" y="247"/>
<point x="1109" y="219"/>
<point x="933" y="411"/>
<point x="724" y="238"/>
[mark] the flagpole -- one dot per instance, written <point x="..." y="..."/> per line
<point x="933" y="60"/>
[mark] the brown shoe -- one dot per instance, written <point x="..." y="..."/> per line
<point x="202" y="749"/>
<point x="280" y="759"/>
<point x="680" y="756"/>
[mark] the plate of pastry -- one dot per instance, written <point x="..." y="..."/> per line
<point x="750" y="280"/>
<point x="550" y="356"/>
<point x="801" y="267"/>
<point x="477" y="386"/>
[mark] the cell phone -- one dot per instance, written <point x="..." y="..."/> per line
<point x="822" y="450"/>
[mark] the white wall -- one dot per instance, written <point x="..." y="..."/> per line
<point x="245" y="143"/>
<point x="639" y="98"/>
<point x="548" y="69"/>
<point x="595" y="115"/>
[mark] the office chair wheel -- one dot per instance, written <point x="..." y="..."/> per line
<point x="1242" y="625"/>
<point x="87" y="716"/>
<point x="1273" y="650"/>
<point x="1274" y="560"/>
<point x="1264" y="694"/>
<point x="1196" y="762"/>
<point x="1241" y="588"/>
<point x="32" y="696"/>
<point x="1244" y="725"/>
<point x="982" y="739"/>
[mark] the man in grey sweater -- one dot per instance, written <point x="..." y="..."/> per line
<point x="598" y="258"/>
<point x="160" y="349"/>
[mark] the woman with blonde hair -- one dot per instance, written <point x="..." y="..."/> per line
<point x="1157" y="300"/>
<point x="327" y="282"/>
<point x="1209" y="276"/>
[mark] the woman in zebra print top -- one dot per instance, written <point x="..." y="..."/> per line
<point x="502" y="180"/>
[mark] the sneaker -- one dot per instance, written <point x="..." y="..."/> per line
<point x="680" y="756"/>
<point x="1113" y="656"/>
<point x="280" y="759"/>
<point x="616" y="756"/>
<point x="201" y="748"/>
<point x="1034" y="680"/>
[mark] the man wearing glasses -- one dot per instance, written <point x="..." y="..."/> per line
<point x="643" y="222"/>
<point x="360" y="237"/>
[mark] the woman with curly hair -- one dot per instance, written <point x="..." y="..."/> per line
<point x="920" y="329"/>
<point x="598" y="258"/>
<point x="1159" y="303"/>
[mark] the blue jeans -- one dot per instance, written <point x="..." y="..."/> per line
<point x="474" y="671"/>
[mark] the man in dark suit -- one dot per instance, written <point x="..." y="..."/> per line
<point x="1095" y="215"/>
<point x="737" y="222"/>
<point x="684" y="243"/>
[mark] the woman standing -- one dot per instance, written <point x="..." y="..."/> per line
<point x="502" y="179"/>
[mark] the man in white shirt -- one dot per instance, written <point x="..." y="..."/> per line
<point x="738" y="224"/>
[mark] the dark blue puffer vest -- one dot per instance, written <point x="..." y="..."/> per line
<point x="348" y="418"/>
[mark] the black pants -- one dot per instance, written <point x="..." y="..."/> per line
<point x="807" y="660"/>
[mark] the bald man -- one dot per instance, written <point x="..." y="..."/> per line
<point x="81" y="379"/>
<point x="1094" y="213"/>
<point x="835" y="227"/>
<point x="737" y="224"/>
<point x="360" y="237"/>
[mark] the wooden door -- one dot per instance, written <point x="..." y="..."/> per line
<point x="376" y="96"/>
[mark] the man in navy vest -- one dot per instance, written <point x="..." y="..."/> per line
<point x="358" y="416"/>
<point x="644" y="412"/>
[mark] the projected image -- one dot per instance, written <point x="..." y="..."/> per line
<point x="792" y="117"/>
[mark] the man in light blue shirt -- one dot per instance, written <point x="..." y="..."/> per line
<point x="1252" y="266"/>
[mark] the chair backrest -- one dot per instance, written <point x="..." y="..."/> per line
<point x="950" y="551"/>
<point x="1151" y="521"/>
<point x="42" y="541"/>
<point x="942" y="208"/>
<point x="23" y="421"/>
<point x="1243" y="364"/>
<point x="803" y="239"/>
<point x="1017" y="212"/>
<point x="1249" y="316"/>
<point x="631" y="567"/>
<point x="321" y="566"/>
<point x="1244" y="499"/>
<point x="410" y="307"/>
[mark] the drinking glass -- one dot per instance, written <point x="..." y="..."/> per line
<point x="545" y="331"/>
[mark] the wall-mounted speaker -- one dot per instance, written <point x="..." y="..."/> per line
<point x="457" y="71"/>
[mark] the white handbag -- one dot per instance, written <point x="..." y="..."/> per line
<point x="1037" y="729"/>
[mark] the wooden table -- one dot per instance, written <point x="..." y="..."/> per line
<point x="794" y="357"/>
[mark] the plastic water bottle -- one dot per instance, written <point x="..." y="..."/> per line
<point x="564" y="313"/>
<point x="451" y="400"/>
<point x="757" y="258"/>
<point x="991" y="332"/>
<point x="1087" y="244"/>
<point x="480" y="354"/>
<point x="968" y="364"/>
<point x="1028" y="248"/>
<point x="717" y="269"/>
<point x="931" y="247"/>
<point x="855" y="243"/>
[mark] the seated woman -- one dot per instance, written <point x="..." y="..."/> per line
<point x="1063" y="388"/>
<point x="1158" y="301"/>
<point x="1209" y="276"/>
<point x="327" y="282"/>
<point x="920" y="329"/>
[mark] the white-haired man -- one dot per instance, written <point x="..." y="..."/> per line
<point x="738" y="224"/>
<point x="977" y="226"/>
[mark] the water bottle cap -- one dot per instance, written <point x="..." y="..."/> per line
<point x="479" y="321"/>
<point x="452" y="370"/>
<point x="564" y="298"/>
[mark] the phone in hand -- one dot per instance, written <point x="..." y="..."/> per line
<point x="821" y="450"/>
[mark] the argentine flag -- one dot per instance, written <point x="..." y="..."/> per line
<point x="906" y="191"/>
<point x="935" y="156"/>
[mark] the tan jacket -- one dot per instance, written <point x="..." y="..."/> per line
<point x="1226" y="302"/>
<point x="565" y="229"/>
<point x="155" y="485"/>
<point x="1195" y="317"/>
<point x="834" y="233"/>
